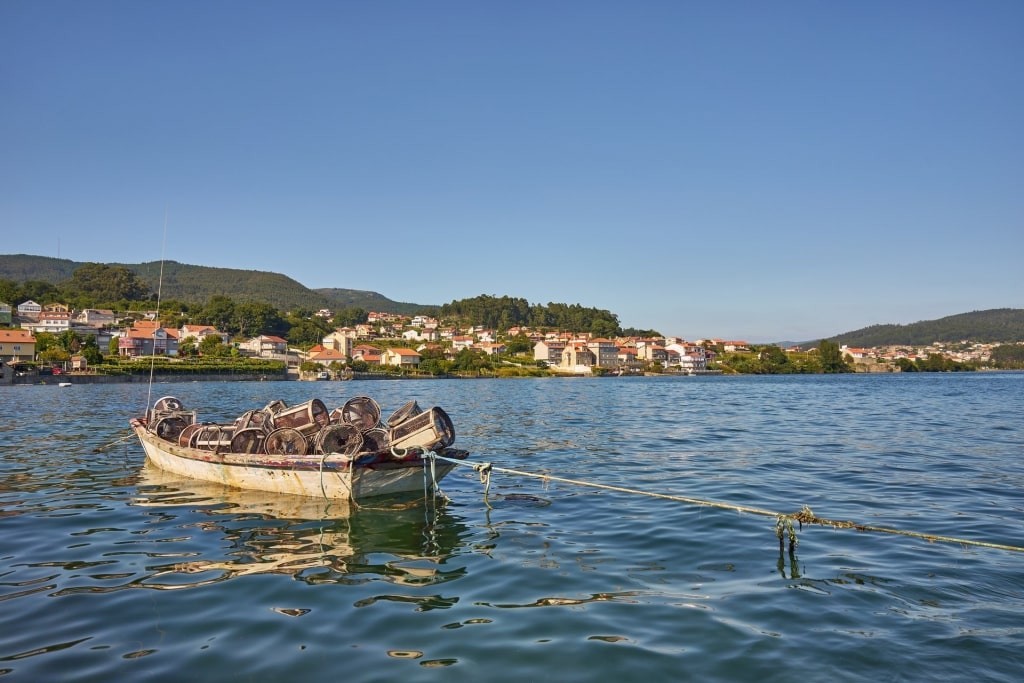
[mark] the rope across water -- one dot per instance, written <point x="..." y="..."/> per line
<point x="784" y="521"/>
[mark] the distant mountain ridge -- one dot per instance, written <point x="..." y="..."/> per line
<point x="196" y="284"/>
<point x="1003" y="325"/>
<point x="370" y="301"/>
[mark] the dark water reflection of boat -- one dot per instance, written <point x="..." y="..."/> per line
<point x="314" y="540"/>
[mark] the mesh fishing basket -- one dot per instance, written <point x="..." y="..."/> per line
<point x="168" y="418"/>
<point x="339" y="438"/>
<point x="410" y="409"/>
<point x="307" y="418"/>
<point x="253" y="419"/>
<point x="248" y="440"/>
<point x="186" y="434"/>
<point x="168" y="404"/>
<point x="362" y="412"/>
<point x="375" y="440"/>
<point x="427" y="430"/>
<point x="274" y="407"/>
<point x="170" y="427"/>
<point x="212" y="437"/>
<point x="285" y="441"/>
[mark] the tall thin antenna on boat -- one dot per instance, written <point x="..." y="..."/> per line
<point x="159" y="296"/>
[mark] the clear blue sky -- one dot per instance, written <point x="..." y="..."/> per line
<point x="764" y="171"/>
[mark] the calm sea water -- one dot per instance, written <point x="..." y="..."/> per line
<point x="111" y="571"/>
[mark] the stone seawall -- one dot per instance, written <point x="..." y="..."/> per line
<point x="867" y="366"/>
<point x="141" y="379"/>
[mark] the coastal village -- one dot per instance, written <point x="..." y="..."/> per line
<point x="399" y="341"/>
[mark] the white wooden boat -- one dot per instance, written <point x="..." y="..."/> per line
<point x="298" y="450"/>
<point x="159" y="488"/>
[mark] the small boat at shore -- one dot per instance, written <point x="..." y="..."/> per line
<point x="347" y="454"/>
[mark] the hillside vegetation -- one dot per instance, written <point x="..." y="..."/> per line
<point x="24" y="268"/>
<point x="370" y="301"/>
<point x="998" y="325"/>
<point x="196" y="284"/>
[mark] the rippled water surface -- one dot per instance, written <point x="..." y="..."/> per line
<point x="113" y="571"/>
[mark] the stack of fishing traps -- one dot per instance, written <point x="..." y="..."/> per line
<point x="307" y="428"/>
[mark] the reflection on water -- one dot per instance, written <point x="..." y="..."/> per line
<point x="794" y="566"/>
<point x="312" y="540"/>
<point x="626" y="596"/>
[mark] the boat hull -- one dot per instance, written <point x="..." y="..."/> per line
<point x="334" y="476"/>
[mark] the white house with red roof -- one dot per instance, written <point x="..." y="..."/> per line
<point x="404" y="358"/>
<point x="491" y="348"/>
<point x="689" y="357"/>
<point x="462" y="341"/>
<point x="54" y="322"/>
<point x="857" y="353"/>
<point x="265" y="345"/>
<point x="201" y="332"/>
<point x="327" y="356"/>
<point x="423" y="321"/>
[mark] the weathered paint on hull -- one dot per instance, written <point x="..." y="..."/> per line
<point x="334" y="477"/>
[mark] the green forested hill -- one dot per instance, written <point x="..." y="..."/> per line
<point x="24" y="268"/>
<point x="196" y="284"/>
<point x="994" y="325"/>
<point x="369" y="301"/>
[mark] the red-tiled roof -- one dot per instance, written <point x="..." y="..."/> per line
<point x="18" y="336"/>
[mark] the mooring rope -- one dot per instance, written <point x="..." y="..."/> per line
<point x="783" y="525"/>
<point x="430" y="482"/>
<point x="100" y="449"/>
